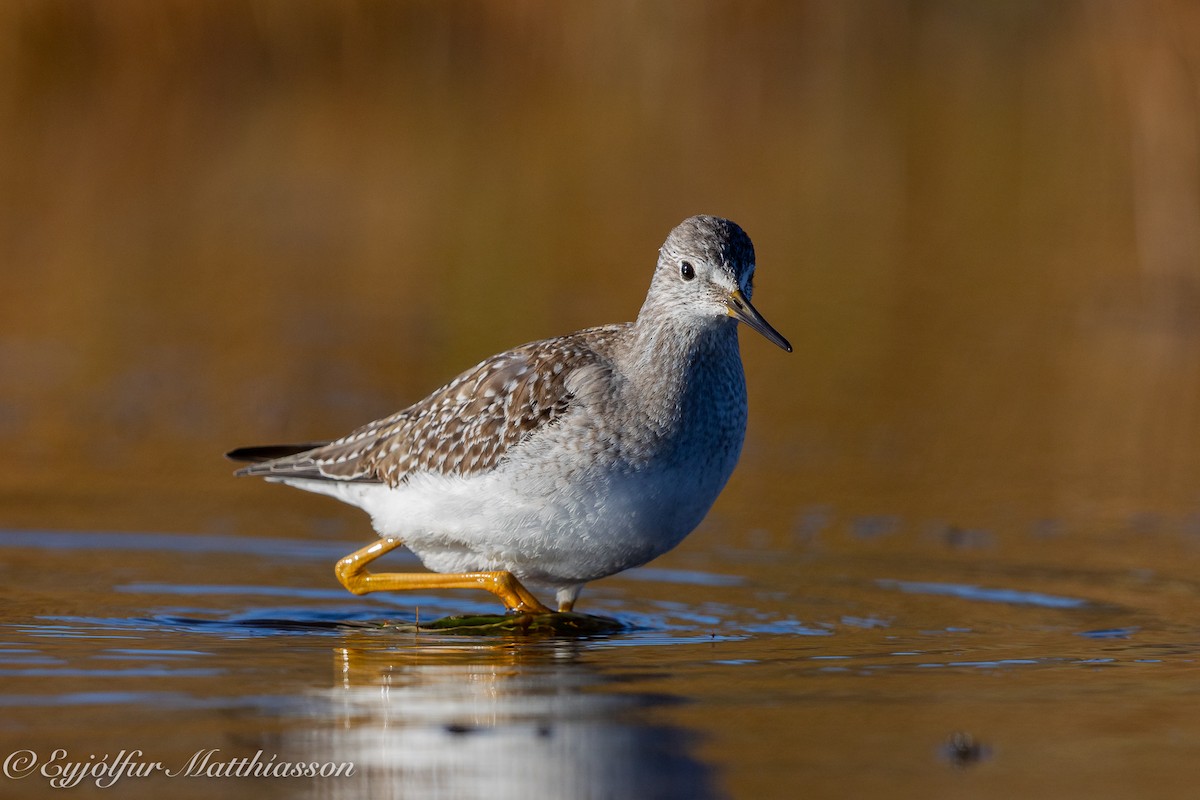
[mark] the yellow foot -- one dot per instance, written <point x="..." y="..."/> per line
<point x="352" y="572"/>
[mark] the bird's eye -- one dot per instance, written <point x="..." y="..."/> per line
<point x="687" y="270"/>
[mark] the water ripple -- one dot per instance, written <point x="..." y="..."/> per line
<point x="985" y="595"/>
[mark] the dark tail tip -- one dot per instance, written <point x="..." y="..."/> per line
<point x="270" y="452"/>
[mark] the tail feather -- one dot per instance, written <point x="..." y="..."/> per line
<point x="270" y="452"/>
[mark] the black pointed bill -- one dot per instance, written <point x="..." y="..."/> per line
<point x="741" y="310"/>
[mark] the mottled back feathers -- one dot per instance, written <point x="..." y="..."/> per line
<point x="466" y="427"/>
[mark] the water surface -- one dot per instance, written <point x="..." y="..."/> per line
<point x="729" y="681"/>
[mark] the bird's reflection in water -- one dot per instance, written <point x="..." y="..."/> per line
<point x="520" y="720"/>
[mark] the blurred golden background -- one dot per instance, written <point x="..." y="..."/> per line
<point x="968" y="509"/>
<point x="229" y="223"/>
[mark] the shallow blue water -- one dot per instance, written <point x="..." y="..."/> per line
<point x="175" y="645"/>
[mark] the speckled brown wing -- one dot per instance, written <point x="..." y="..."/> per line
<point x="465" y="427"/>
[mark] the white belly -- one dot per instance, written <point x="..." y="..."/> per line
<point x="553" y="533"/>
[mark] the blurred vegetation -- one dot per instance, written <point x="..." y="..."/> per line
<point x="979" y="222"/>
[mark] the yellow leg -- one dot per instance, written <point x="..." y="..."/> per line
<point x="566" y="605"/>
<point x="352" y="572"/>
